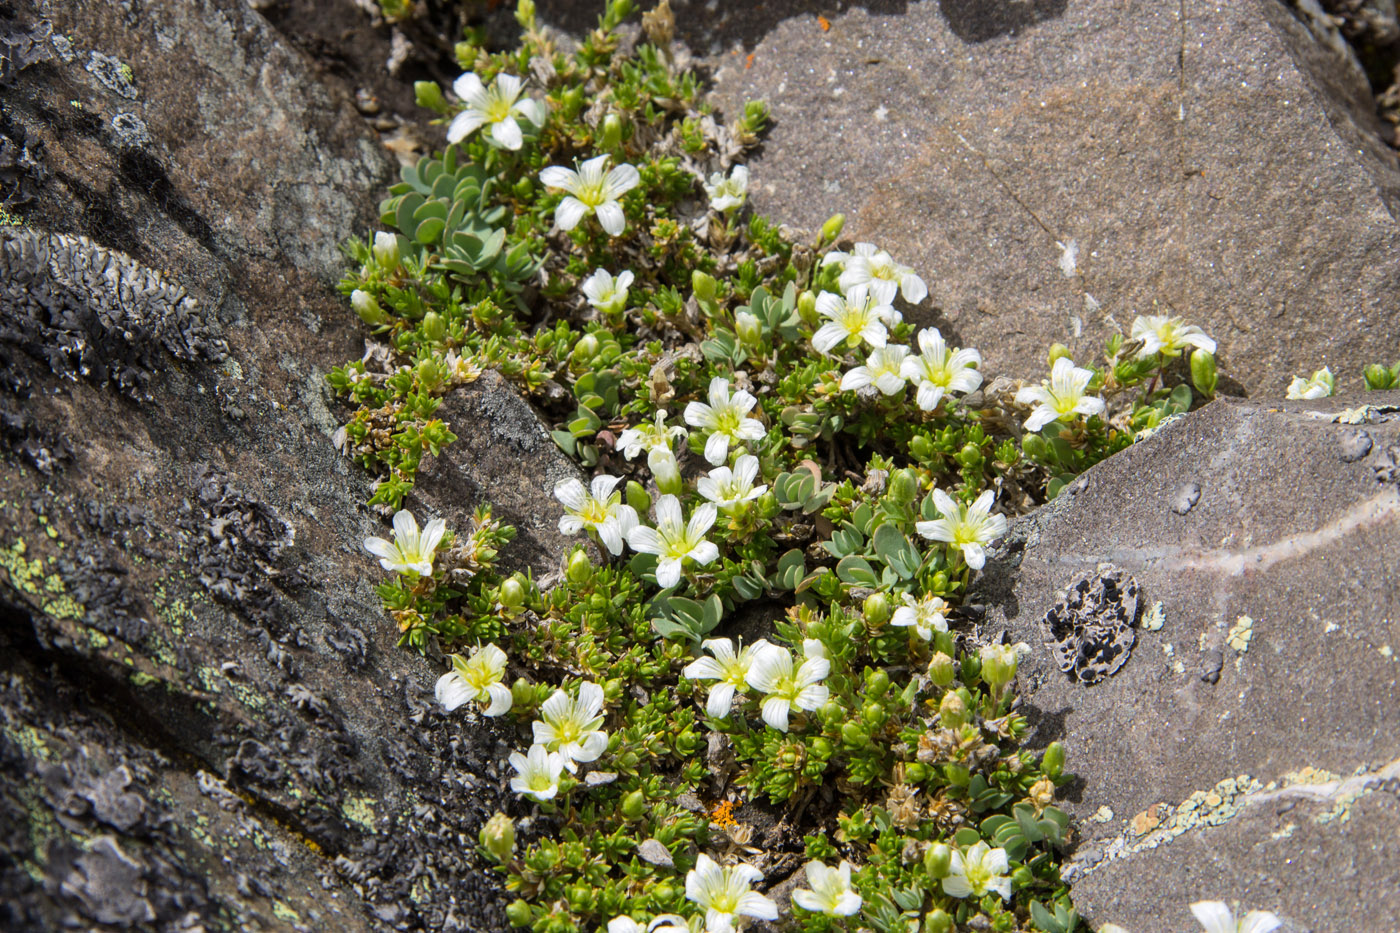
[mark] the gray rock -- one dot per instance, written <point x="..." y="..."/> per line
<point x="1054" y="168"/>
<point x="1252" y="744"/>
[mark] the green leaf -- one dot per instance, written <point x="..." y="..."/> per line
<point x="791" y="568"/>
<point x="894" y="549"/>
<point x="856" y="571"/>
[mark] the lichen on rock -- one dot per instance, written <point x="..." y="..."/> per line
<point x="95" y="313"/>
<point x="1091" y="626"/>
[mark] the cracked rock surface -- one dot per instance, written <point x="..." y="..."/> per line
<point x="1052" y="167"/>
<point x="204" y="721"/>
<point x="1250" y="749"/>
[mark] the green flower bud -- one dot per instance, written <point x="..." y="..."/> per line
<point x="853" y="735"/>
<point x="748" y="329"/>
<point x="970" y="456"/>
<point x="434" y="327"/>
<point x="904" y="487"/>
<point x="580" y="568"/>
<point x="941" y="670"/>
<point x="367" y="308"/>
<point x="512" y="593"/>
<point x="942" y="641"/>
<point x="822" y="748"/>
<point x="703" y="285"/>
<point x="938" y="860"/>
<point x="429" y="374"/>
<point x="874" y="715"/>
<point x="634" y="805"/>
<point x="585" y="350"/>
<point x="498" y="837"/>
<point x="1203" y="375"/>
<point x="525" y="14"/>
<point x="832" y="712"/>
<point x="1035" y="447"/>
<point x="938" y="920"/>
<point x="666" y="470"/>
<point x="916" y="772"/>
<point x="612" y="132"/>
<point x="518" y="913"/>
<point x="921" y="448"/>
<point x="807" y="307"/>
<point x="1053" y="761"/>
<point x="1058" y="350"/>
<point x="638" y="497"/>
<point x="833" y="227"/>
<point x="429" y="96"/>
<point x="570" y="102"/>
<point x="999" y="663"/>
<point x="877" y="610"/>
<point x="952" y="711"/>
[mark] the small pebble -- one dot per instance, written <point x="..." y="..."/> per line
<point x="1355" y="446"/>
<point x="1185" y="498"/>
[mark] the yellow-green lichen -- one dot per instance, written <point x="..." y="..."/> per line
<point x="284" y="912"/>
<point x="359" y="810"/>
<point x="1240" y="633"/>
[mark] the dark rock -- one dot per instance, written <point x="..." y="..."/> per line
<point x="1354" y="446"/>
<point x="1249" y="748"/>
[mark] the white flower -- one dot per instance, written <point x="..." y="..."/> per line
<point x="831" y="892"/>
<point x="872" y="268"/>
<point x="726" y="488"/>
<point x="411" y="551"/>
<point x="1216" y="917"/>
<point x="607" y="294"/>
<point x="476" y="678"/>
<point x="597" y="507"/>
<point x="386" y="249"/>
<point x="883" y="369"/>
<point x="772" y="673"/>
<point x="1061" y="398"/>
<point x="664" y="923"/>
<point x="570" y="726"/>
<point x="727" y="194"/>
<point x="674" y="539"/>
<point x="591" y="191"/>
<point x="935" y="371"/>
<point x="1321" y="385"/>
<point x="970" y="528"/>
<point x="537" y="774"/>
<point x="725" y="894"/>
<point x="497" y="106"/>
<point x="730" y="670"/>
<point x="977" y="871"/>
<point x="927" y="615"/>
<point x="850" y="320"/>
<point x="727" y="419"/>
<point x="1162" y="334"/>
<point x="648" y="437"/>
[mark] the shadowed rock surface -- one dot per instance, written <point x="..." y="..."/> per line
<point x="1249" y="748"/>
<point x="1220" y="161"/>
<point x="204" y="722"/>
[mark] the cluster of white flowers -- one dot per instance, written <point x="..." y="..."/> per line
<point x="568" y="732"/>
<point x="767" y="668"/>
<point x="725" y="894"/>
<point x="655" y="439"/>
<point x="871" y="268"/>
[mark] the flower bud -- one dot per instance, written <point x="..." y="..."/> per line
<point x="429" y="96"/>
<point x="386" y="250"/>
<point x="940" y="670"/>
<point x="877" y="683"/>
<point x="367" y="308"/>
<point x="434" y="327"/>
<point x="854" y="736"/>
<point x="833" y="227"/>
<point x="703" y="285"/>
<point x="612" y="132"/>
<point x="874" y="715"/>
<point x="921" y="447"/>
<point x="1376" y="376"/>
<point x="832" y="712"/>
<point x="518" y="913"/>
<point x="580" y="568"/>
<point x="938" y="859"/>
<point x="525" y="14"/>
<point x="943" y="641"/>
<point x="952" y="711"/>
<point x="807" y="307"/>
<point x="638" y="497"/>
<point x="512" y="593"/>
<point x="876" y="610"/>
<point x="1203" y="372"/>
<point x="498" y="837"/>
<point x="999" y="664"/>
<point x="1053" y="761"/>
<point x="748" y="329"/>
<point x="938" y="920"/>
<point x="666" y="470"/>
<point x="904" y="487"/>
<point x="1058" y="350"/>
<point x="634" y="805"/>
<point x="584" y="350"/>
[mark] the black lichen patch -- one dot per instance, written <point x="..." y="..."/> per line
<point x="93" y="313"/>
<point x="1091" y="626"/>
<point x="23" y="46"/>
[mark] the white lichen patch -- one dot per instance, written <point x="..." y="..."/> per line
<point x="1102" y="815"/>
<point x="1154" y="618"/>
